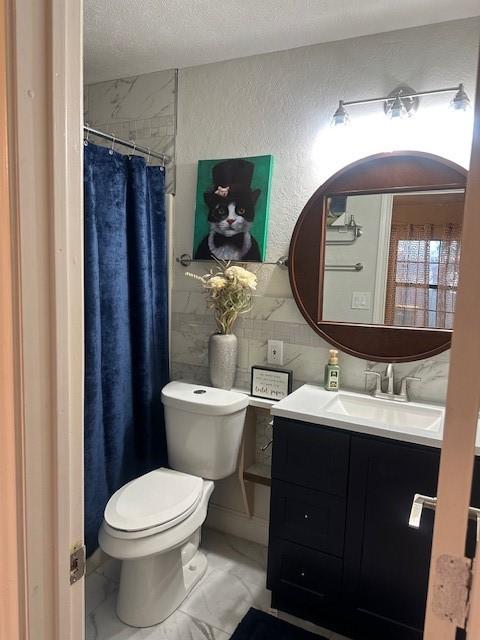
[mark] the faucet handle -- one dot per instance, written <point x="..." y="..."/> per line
<point x="403" y="388"/>
<point x="369" y="372"/>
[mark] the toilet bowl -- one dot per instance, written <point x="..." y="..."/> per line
<point x="153" y="523"/>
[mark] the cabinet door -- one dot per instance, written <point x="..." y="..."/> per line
<point x="304" y="574"/>
<point x="307" y="517"/>
<point x="311" y="456"/>
<point x="387" y="562"/>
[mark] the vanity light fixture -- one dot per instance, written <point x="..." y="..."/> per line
<point x="402" y="102"/>
<point x="340" y="117"/>
<point x="460" y="101"/>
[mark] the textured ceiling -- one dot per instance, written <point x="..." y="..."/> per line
<point x="129" y="37"/>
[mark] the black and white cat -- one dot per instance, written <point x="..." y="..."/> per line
<point x="230" y="214"/>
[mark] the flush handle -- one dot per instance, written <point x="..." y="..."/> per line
<point x="265" y="446"/>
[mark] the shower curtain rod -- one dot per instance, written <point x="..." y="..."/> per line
<point x="126" y="143"/>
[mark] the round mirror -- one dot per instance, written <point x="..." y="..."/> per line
<point x="374" y="257"/>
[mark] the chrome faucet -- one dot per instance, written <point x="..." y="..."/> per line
<point x="403" y="395"/>
<point x="389" y="375"/>
<point x="390" y="394"/>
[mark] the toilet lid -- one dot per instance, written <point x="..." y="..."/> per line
<point x="159" y="497"/>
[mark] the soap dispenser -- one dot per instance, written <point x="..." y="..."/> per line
<point x="332" y="372"/>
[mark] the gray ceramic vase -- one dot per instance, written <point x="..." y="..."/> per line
<point x="222" y="360"/>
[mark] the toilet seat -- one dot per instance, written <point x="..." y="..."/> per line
<point x="152" y="503"/>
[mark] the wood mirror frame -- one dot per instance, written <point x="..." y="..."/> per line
<point x="401" y="171"/>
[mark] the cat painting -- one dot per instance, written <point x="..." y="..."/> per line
<point x="230" y="210"/>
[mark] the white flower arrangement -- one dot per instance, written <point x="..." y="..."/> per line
<point x="230" y="291"/>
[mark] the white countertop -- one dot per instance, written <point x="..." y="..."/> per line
<point x="311" y="403"/>
<point x="261" y="403"/>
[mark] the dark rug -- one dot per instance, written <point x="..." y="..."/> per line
<point x="258" y="625"/>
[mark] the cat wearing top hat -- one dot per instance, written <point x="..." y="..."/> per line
<point x="231" y="210"/>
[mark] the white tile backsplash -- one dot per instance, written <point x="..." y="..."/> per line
<point x="305" y="352"/>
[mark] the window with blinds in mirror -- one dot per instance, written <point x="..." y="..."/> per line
<point x="424" y="256"/>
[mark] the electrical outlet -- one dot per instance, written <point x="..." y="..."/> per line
<point x="275" y="352"/>
<point x="361" y="300"/>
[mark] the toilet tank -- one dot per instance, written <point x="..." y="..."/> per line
<point x="204" y="428"/>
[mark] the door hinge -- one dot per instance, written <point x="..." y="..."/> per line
<point x="77" y="562"/>
<point x="451" y="589"/>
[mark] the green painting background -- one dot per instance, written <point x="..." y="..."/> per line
<point x="262" y="176"/>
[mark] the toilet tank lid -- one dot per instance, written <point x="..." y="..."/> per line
<point x="198" y="398"/>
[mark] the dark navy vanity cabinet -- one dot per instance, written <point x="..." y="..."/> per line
<point x="341" y="553"/>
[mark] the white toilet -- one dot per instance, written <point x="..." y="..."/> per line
<point x="153" y="523"/>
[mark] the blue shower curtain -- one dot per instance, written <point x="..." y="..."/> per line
<point x="126" y="333"/>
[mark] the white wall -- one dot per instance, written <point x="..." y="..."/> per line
<point x="281" y="103"/>
<point x="339" y="286"/>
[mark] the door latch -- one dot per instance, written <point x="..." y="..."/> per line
<point x="77" y="563"/>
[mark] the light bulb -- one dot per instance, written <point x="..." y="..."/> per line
<point x="460" y="101"/>
<point x="340" y="117"/>
<point x="397" y="109"/>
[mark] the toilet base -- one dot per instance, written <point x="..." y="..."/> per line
<point x="152" y="588"/>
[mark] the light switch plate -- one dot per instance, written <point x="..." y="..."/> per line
<point x="361" y="300"/>
<point x="275" y="352"/>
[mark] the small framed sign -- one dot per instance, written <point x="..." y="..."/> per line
<point x="269" y="383"/>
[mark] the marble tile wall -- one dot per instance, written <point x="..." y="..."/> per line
<point x="305" y="353"/>
<point x="140" y="108"/>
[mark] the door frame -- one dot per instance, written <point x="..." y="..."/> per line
<point x="43" y="74"/>
<point x="42" y="322"/>
<point x="381" y="271"/>
<point x="461" y="416"/>
<point x="12" y="548"/>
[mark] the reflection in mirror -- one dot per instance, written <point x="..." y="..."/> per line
<point x="393" y="259"/>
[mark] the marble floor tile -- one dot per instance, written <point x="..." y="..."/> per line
<point x="99" y="588"/>
<point x="234" y="582"/>
<point x="222" y="599"/>
<point x="241" y="558"/>
<point x="110" y="569"/>
<point x="103" y="624"/>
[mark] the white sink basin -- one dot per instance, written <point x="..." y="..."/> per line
<point x="407" y="421"/>
<point x="386" y="413"/>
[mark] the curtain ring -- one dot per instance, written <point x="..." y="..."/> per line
<point x="113" y="145"/>
<point x="87" y="136"/>
<point x="134" y="147"/>
<point x="148" y="158"/>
